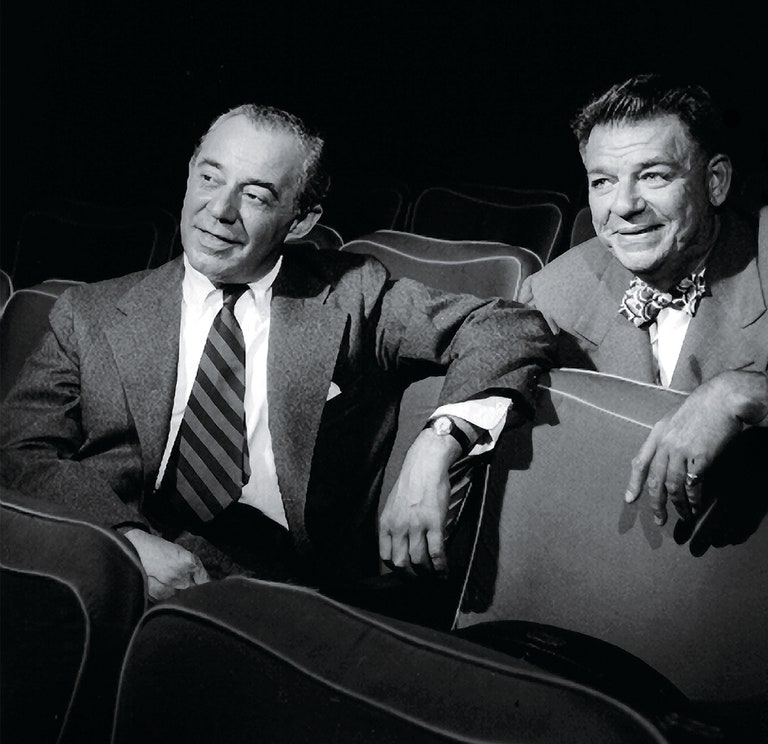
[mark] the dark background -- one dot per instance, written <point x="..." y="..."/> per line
<point x="104" y="102"/>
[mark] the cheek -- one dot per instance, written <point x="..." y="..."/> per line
<point x="600" y="209"/>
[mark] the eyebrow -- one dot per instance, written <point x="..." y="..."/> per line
<point x="654" y="163"/>
<point x="268" y="185"/>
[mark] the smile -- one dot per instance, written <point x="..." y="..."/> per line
<point x="630" y="232"/>
<point x="214" y="239"/>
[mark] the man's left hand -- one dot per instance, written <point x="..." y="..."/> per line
<point x="412" y="524"/>
<point x="685" y="442"/>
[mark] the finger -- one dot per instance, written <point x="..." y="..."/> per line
<point x="157" y="590"/>
<point x="400" y="558"/>
<point x="385" y="547"/>
<point x="436" y="548"/>
<point x="693" y="487"/>
<point x="417" y="552"/>
<point x="657" y="492"/>
<point x="640" y="464"/>
<point x="200" y="575"/>
<point x="675" y="487"/>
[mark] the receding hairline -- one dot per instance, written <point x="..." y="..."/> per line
<point x="313" y="179"/>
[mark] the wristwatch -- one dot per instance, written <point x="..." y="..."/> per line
<point x="445" y="426"/>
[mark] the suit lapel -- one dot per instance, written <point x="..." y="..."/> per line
<point x="145" y="344"/>
<point x="622" y="349"/>
<point x="306" y="327"/>
<point x="715" y="338"/>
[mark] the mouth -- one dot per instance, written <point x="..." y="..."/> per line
<point x="211" y="237"/>
<point x="635" y="230"/>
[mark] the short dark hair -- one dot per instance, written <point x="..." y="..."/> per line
<point x="314" y="176"/>
<point x="648" y="96"/>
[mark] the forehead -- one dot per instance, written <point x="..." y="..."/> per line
<point x="663" y="138"/>
<point x="251" y="151"/>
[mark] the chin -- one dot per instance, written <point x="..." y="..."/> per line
<point x="212" y="267"/>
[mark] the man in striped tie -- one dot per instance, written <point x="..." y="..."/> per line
<point x="234" y="409"/>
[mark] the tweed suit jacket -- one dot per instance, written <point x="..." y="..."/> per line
<point x="88" y="421"/>
<point x="580" y="292"/>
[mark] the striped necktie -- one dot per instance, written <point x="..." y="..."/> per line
<point x="213" y="445"/>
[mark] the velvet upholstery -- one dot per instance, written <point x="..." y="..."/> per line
<point x="6" y="289"/>
<point x="423" y="246"/>
<point x="72" y="594"/>
<point x="558" y="545"/>
<point x="468" y="214"/>
<point x="22" y="326"/>
<point x="477" y="273"/>
<point x="582" y="229"/>
<point x="245" y="660"/>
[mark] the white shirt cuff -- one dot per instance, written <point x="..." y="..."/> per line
<point x="486" y="413"/>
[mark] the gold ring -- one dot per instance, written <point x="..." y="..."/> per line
<point x="691" y="479"/>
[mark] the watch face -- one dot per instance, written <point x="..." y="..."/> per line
<point x="442" y="425"/>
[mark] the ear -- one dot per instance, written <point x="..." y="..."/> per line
<point x="719" y="174"/>
<point x="304" y="223"/>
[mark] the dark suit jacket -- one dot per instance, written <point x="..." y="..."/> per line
<point x="88" y="422"/>
<point x="580" y="292"/>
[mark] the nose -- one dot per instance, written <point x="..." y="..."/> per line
<point x="222" y="205"/>
<point x="627" y="200"/>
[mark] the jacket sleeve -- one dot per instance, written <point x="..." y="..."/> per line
<point x="42" y="437"/>
<point x="484" y="346"/>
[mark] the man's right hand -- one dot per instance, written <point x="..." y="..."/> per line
<point x="168" y="566"/>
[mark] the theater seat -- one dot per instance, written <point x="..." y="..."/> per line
<point x="357" y="205"/>
<point x="6" y="289"/>
<point x="582" y="229"/>
<point x="558" y="545"/>
<point x="90" y="242"/>
<point x="454" y="214"/>
<point x="484" y="269"/>
<point x="245" y="660"/>
<point x="454" y="266"/>
<point x="321" y="237"/>
<point x="71" y="596"/>
<point x="22" y="326"/>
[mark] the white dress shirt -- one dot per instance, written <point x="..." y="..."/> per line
<point x="200" y="304"/>
<point x="667" y="336"/>
<point x="668" y="331"/>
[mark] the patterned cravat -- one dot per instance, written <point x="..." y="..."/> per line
<point x="642" y="303"/>
<point x="213" y="446"/>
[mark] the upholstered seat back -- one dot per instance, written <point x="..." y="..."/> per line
<point x="245" y="660"/>
<point x="72" y="594"/>
<point x="559" y="545"/>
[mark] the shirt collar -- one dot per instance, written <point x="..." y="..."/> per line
<point x="198" y="288"/>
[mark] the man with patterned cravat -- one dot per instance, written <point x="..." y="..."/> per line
<point x="673" y="288"/>
<point x="240" y="402"/>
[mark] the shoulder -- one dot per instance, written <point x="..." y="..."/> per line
<point x="98" y="297"/>
<point x="306" y="266"/>
<point x="570" y="276"/>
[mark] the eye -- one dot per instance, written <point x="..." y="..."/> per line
<point x="206" y="178"/>
<point x="599" y="183"/>
<point x="654" y="177"/>
<point x="255" y="198"/>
